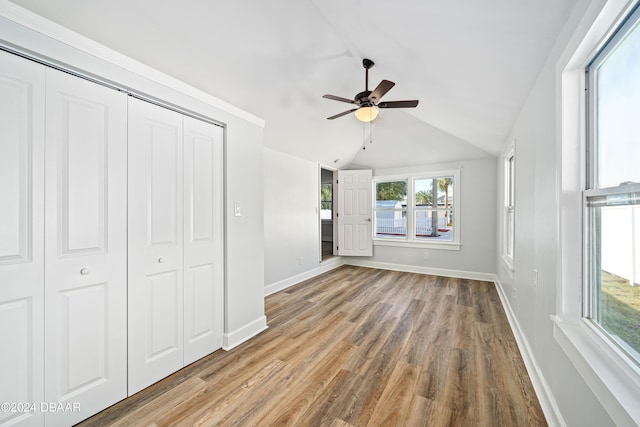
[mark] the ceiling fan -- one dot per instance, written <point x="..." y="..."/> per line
<point x="368" y="102"/>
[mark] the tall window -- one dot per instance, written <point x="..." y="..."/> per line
<point x="612" y="195"/>
<point x="417" y="209"/>
<point x="509" y="207"/>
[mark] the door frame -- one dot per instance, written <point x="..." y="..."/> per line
<point x="334" y="206"/>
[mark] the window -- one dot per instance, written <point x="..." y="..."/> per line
<point x="390" y="210"/>
<point x="417" y="209"/>
<point x="433" y="215"/>
<point x="607" y="369"/>
<point x="326" y="201"/>
<point x="612" y="195"/>
<point x="509" y="207"/>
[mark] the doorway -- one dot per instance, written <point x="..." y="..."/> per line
<point x="327" y="214"/>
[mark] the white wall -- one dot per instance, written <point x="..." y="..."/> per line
<point x="244" y="234"/>
<point x="244" y="296"/>
<point x="536" y="245"/>
<point x="292" y="225"/>
<point x="477" y="225"/>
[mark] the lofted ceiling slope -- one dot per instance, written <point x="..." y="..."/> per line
<point x="471" y="64"/>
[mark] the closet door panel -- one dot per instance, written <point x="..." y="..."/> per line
<point x="155" y="244"/>
<point x="22" y="85"/>
<point x="203" y="238"/>
<point x="85" y="253"/>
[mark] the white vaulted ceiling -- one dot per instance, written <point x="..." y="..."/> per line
<point x="470" y="63"/>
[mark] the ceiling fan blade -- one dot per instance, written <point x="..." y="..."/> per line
<point x="339" y="98"/>
<point x="379" y="91"/>
<point x="398" y="104"/>
<point x="344" y="113"/>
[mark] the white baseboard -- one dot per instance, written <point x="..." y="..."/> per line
<point x="489" y="277"/>
<point x="240" y="335"/>
<point x="540" y="385"/>
<point x="290" y="281"/>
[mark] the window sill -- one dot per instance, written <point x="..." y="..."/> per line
<point x="445" y="246"/>
<point x="614" y="380"/>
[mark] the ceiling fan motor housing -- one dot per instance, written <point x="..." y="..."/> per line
<point x="363" y="97"/>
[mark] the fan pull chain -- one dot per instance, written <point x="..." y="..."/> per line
<point x="364" y="135"/>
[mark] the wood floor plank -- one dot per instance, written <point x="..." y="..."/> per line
<point x="355" y="347"/>
<point x="393" y="408"/>
<point x="338" y="395"/>
<point x="317" y="380"/>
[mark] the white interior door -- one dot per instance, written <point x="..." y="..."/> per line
<point x="355" y="213"/>
<point x="155" y="244"/>
<point x="203" y="272"/>
<point x="22" y="85"/>
<point x="85" y="246"/>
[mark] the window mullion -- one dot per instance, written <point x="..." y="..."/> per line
<point x="411" y="203"/>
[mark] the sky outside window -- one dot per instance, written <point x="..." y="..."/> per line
<point x="619" y="114"/>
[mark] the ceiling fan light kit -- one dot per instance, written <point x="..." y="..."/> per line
<point x="367" y="114"/>
<point x="367" y="101"/>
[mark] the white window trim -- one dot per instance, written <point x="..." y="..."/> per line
<point x="409" y="241"/>
<point x="508" y="259"/>
<point x="607" y="371"/>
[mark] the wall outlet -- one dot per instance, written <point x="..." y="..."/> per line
<point x="300" y="261"/>
<point x="426" y="255"/>
<point x="535" y="278"/>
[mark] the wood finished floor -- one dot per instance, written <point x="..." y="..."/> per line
<point x="355" y="347"/>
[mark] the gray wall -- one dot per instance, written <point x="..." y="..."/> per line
<point x="477" y="223"/>
<point x="292" y="225"/>
<point x="291" y="193"/>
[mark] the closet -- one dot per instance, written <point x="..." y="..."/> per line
<point x="175" y="241"/>
<point x="110" y="243"/>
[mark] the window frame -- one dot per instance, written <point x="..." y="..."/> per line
<point x="509" y="207"/>
<point x="410" y="240"/>
<point x="402" y="210"/>
<point x="595" y="196"/>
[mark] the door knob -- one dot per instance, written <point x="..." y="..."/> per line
<point x="84" y="271"/>
<point x="161" y="260"/>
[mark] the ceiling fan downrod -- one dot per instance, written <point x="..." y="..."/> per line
<point x="367" y="63"/>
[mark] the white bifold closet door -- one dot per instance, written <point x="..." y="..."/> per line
<point x="22" y="86"/>
<point x="175" y="241"/>
<point x="85" y="247"/>
<point x="203" y="244"/>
